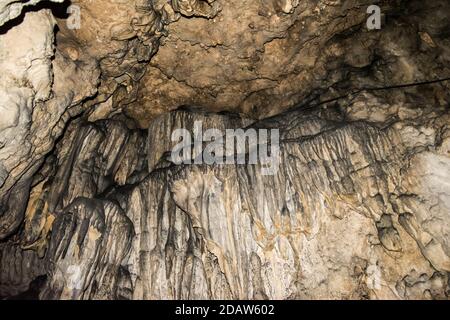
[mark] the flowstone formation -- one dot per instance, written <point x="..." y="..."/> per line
<point x="92" y="206"/>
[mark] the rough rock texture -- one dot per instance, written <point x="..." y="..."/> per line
<point x="92" y="207"/>
<point x="276" y="54"/>
<point x="11" y="9"/>
<point x="338" y="208"/>
<point x="350" y="199"/>
<point x="42" y="89"/>
<point x="26" y="81"/>
<point x="90" y="240"/>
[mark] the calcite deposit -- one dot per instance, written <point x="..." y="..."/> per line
<point x="93" y="205"/>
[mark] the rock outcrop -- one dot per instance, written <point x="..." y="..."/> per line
<point x="93" y="206"/>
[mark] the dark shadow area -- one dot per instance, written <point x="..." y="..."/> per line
<point x="59" y="10"/>
<point x="33" y="290"/>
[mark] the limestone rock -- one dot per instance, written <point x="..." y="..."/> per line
<point x="11" y="9"/>
<point x="94" y="206"/>
<point x="263" y="57"/>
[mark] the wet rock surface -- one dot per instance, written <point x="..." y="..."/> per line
<point x="93" y="207"/>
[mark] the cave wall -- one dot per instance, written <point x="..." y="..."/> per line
<point x="359" y="208"/>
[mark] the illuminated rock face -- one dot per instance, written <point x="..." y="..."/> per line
<point x="11" y="9"/>
<point x="93" y="207"/>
